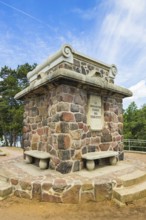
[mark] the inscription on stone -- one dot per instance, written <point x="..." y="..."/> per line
<point x="94" y="117"/>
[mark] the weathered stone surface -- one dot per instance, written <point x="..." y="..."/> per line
<point x="43" y="111"/>
<point x="26" y="143"/>
<point x="34" y="126"/>
<point x="106" y="136"/>
<point x="76" y="144"/>
<point x="91" y="148"/>
<point x="25" y="185"/>
<point x="78" y="155"/>
<point x="38" y="119"/>
<point x="107" y="117"/>
<point x="84" y="150"/>
<point x="95" y="140"/>
<point x="106" y="106"/>
<point x="78" y="117"/>
<point x="35" y="138"/>
<point x="87" y="197"/>
<point x="74" y="108"/>
<point x="73" y="126"/>
<point x="24" y="194"/>
<point x="62" y="127"/>
<point x="36" y="190"/>
<point x="5" y="190"/>
<point x="104" y="147"/>
<point x="120" y="128"/>
<point x="63" y="106"/>
<point x="56" y="118"/>
<point x="44" y="122"/>
<point x="34" y="111"/>
<point x="103" y="191"/>
<point x="59" y="185"/>
<point x="66" y="98"/>
<point x="78" y="100"/>
<point x="46" y="186"/>
<point x="34" y="146"/>
<point x="120" y="118"/>
<point x="53" y="110"/>
<point x="76" y="63"/>
<point x="46" y="197"/>
<point x="14" y="181"/>
<point x="67" y="116"/>
<point x="26" y="129"/>
<point x="87" y="186"/>
<point x="64" y="141"/>
<point x="76" y="135"/>
<point x="40" y="131"/>
<point x="117" y="138"/>
<point x="54" y="162"/>
<point x="76" y="166"/>
<point x="64" y="154"/>
<point x="64" y="167"/>
<point x="114" y="118"/>
<point x="72" y="195"/>
<point x="88" y="134"/>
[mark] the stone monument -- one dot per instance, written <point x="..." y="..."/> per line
<point x="72" y="107"/>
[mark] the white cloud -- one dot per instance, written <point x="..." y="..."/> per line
<point x="88" y="14"/>
<point x="139" y="94"/>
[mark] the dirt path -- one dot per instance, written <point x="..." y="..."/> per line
<point x="11" y="153"/>
<point x="21" y="209"/>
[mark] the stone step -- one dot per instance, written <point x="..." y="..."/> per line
<point x="133" y="178"/>
<point x="5" y="189"/>
<point x="129" y="194"/>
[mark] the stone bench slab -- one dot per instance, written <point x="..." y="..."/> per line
<point x="92" y="156"/>
<point x="99" y="155"/>
<point x="41" y="155"/>
<point x="38" y="154"/>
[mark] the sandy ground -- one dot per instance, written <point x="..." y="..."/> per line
<point x="23" y="209"/>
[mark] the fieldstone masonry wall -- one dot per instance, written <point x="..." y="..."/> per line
<point x="66" y="93"/>
<point x="56" y="121"/>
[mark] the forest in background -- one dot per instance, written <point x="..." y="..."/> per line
<point x="13" y="81"/>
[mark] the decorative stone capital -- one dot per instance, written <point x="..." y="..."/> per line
<point x="65" y="54"/>
<point x="113" y="71"/>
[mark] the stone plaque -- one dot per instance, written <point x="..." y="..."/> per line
<point x="95" y="115"/>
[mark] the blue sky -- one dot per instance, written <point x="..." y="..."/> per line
<point x="113" y="31"/>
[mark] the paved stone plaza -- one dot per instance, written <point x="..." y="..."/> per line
<point x="28" y="181"/>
